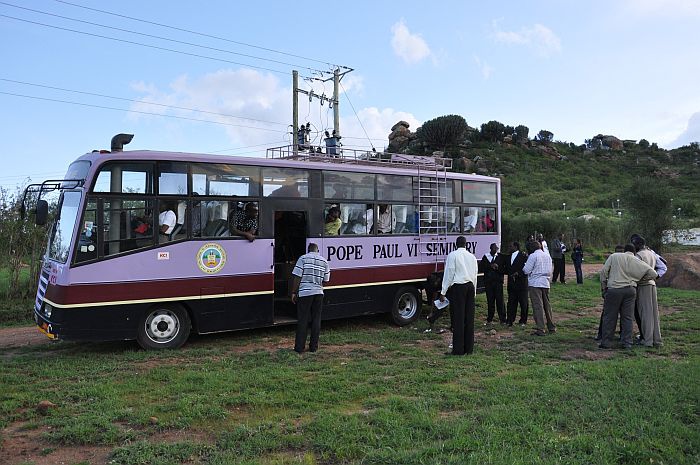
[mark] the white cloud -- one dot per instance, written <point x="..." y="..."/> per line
<point x="261" y="96"/>
<point x="248" y="93"/>
<point x="411" y="48"/>
<point x="539" y="38"/>
<point x="484" y="67"/>
<point x="691" y="133"/>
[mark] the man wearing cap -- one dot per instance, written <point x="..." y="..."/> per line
<point x="618" y="282"/>
<point x="493" y="281"/>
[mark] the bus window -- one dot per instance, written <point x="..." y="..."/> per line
<point x="63" y="228"/>
<point x="172" y="224"/>
<point x="479" y="192"/>
<point x="87" y="241"/>
<point x="394" y="188"/>
<point x="386" y="219"/>
<point x="125" y="178"/>
<point x="127" y="225"/>
<point x="216" y="213"/>
<point x="354" y="186"/>
<point x="172" y="178"/>
<point x="480" y="219"/>
<point x="348" y="218"/>
<point x="226" y="180"/>
<point x="285" y="182"/>
<point x="406" y="219"/>
<point x="452" y="219"/>
<point x="243" y="220"/>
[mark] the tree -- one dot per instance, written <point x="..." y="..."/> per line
<point x="443" y="131"/>
<point x="545" y="136"/>
<point x="649" y="201"/>
<point x="644" y="144"/>
<point x="521" y="133"/>
<point x="493" y="131"/>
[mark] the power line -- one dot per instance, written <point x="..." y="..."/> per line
<point x="200" y="34"/>
<point x="137" y="111"/>
<point x="356" y="115"/>
<point x="161" y="38"/>
<point x="139" y="101"/>
<point x="144" y="45"/>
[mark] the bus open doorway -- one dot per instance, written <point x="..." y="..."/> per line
<point x="291" y="231"/>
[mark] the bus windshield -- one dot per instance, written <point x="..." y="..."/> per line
<point x="77" y="170"/>
<point x="59" y="245"/>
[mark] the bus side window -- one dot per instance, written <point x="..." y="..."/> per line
<point x="217" y="214"/>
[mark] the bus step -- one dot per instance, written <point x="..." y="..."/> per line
<point x="283" y="320"/>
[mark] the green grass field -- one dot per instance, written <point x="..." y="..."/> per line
<point x="373" y="394"/>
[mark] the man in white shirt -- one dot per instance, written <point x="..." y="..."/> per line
<point x="459" y="280"/>
<point x="386" y="220"/>
<point x="538" y="269"/>
<point x="167" y="220"/>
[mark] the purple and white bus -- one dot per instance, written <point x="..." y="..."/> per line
<point x="111" y="272"/>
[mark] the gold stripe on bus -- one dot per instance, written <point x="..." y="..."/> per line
<point x="164" y="299"/>
<point x="218" y="296"/>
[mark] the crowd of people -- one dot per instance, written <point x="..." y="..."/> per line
<point x="627" y="282"/>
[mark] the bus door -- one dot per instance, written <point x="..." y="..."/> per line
<point x="291" y="229"/>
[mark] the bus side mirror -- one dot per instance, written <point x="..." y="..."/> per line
<point x="42" y="212"/>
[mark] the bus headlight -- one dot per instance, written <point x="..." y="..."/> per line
<point x="48" y="309"/>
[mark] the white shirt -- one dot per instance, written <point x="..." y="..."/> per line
<point x="460" y="267"/>
<point x="513" y="256"/>
<point x="545" y="247"/>
<point x="167" y="217"/>
<point x="538" y="269"/>
<point x="386" y="222"/>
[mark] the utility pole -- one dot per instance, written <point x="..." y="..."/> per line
<point x="332" y="101"/>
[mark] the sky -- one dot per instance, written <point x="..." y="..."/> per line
<point x="216" y="76"/>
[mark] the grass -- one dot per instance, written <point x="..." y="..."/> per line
<point x="374" y="393"/>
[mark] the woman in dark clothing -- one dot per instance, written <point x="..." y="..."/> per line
<point x="577" y="258"/>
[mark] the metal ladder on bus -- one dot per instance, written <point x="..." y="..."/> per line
<point x="432" y="211"/>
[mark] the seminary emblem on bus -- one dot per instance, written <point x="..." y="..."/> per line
<point x="211" y="258"/>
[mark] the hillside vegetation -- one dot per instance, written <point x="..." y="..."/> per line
<point x="615" y="181"/>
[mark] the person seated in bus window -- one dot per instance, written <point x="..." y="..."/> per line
<point x="199" y="215"/>
<point x="485" y="223"/>
<point x="470" y="220"/>
<point x="333" y="223"/>
<point x="361" y="222"/>
<point x="386" y="220"/>
<point x="244" y="222"/>
<point x="167" y="219"/>
<point x="141" y="226"/>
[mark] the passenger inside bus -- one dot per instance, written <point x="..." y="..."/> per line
<point x="386" y="219"/>
<point x="244" y="222"/>
<point x="333" y="222"/>
<point x="167" y="219"/>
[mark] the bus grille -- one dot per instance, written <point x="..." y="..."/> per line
<point x="41" y="291"/>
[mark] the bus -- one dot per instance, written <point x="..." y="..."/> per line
<point x="114" y="269"/>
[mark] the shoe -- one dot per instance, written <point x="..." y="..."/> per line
<point x="597" y="338"/>
<point x="539" y="333"/>
<point x="450" y="346"/>
<point x="510" y="325"/>
<point x="553" y="329"/>
<point x="522" y="325"/>
<point x="313" y="350"/>
<point x="428" y="330"/>
<point x="627" y="346"/>
<point x="440" y="331"/>
<point x="487" y="323"/>
<point x="658" y="344"/>
<point x="604" y="347"/>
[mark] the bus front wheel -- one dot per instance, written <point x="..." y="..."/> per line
<point x="164" y="327"/>
<point x="406" y="306"/>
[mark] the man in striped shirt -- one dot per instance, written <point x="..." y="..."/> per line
<point x="310" y="272"/>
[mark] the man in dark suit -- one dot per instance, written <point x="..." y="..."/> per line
<point x="493" y="280"/>
<point x="517" y="285"/>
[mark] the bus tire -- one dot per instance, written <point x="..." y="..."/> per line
<point x="163" y="326"/>
<point x="406" y="306"/>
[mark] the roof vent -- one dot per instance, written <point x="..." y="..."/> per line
<point x="120" y="140"/>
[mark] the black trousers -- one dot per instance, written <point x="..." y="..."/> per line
<point x="462" y="306"/>
<point x="515" y="297"/>
<point x="559" y="269"/>
<point x="308" y="310"/>
<point x="494" y="299"/>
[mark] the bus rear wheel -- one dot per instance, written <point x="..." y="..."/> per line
<point x="164" y="327"/>
<point x="406" y="306"/>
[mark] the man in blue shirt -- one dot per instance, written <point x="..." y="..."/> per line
<point x="310" y="272"/>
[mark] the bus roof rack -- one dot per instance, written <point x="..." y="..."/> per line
<point x="359" y="157"/>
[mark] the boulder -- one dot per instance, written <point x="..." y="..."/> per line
<point x="401" y="123"/>
<point x="400" y="131"/>
<point x="683" y="271"/>
<point x="44" y="406"/>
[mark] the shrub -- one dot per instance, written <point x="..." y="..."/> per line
<point x="443" y="131"/>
